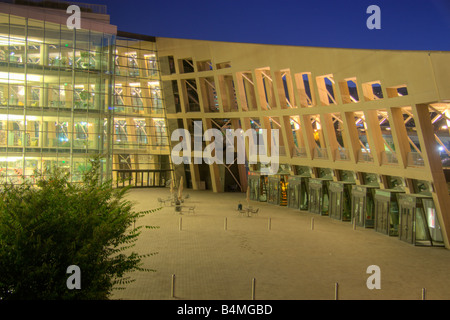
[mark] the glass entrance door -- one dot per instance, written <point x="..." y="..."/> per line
<point x="335" y="204"/>
<point x="432" y="222"/>
<point x="418" y="222"/>
<point x="293" y="195"/>
<point x="303" y="194"/>
<point x="387" y="213"/>
<point x="363" y="205"/>
<point x="314" y="200"/>
<point x="369" y="209"/>
<point x="382" y="217"/>
<point x="358" y="210"/>
<point x="274" y="191"/>
<point x="318" y="196"/>
<point x="406" y="230"/>
<point x="254" y="188"/>
<point x="340" y="200"/>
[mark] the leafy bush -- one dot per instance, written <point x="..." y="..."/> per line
<point x="48" y="226"/>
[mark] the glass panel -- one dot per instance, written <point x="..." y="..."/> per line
<point x="254" y="189"/>
<point x="421" y="226"/>
<point x="359" y="210"/>
<point x="346" y="203"/>
<point x="370" y="208"/>
<point x="17" y="41"/>
<point x="335" y="208"/>
<point x="382" y="216"/>
<point x="273" y="196"/>
<point x="432" y="220"/>
<point x="325" y="200"/>
<point x="393" y="218"/>
<point x="304" y="195"/>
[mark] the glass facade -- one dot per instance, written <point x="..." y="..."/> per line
<point x="67" y="95"/>
<point x="140" y="137"/>
<point x="54" y="88"/>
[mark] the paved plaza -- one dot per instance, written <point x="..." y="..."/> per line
<point x="218" y="252"/>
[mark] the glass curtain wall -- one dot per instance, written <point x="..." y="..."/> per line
<point x="54" y="86"/>
<point x="140" y="137"/>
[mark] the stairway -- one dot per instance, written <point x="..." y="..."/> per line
<point x="283" y="193"/>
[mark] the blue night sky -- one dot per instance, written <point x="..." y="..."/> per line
<point x="405" y="24"/>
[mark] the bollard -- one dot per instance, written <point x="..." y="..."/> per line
<point x="180" y="224"/>
<point x="336" y="288"/>
<point x="312" y="223"/>
<point x="172" y="289"/>
<point x="269" y="224"/>
<point x="253" y="288"/>
<point x="354" y="224"/>
<point x="225" y="224"/>
<point x="423" y="293"/>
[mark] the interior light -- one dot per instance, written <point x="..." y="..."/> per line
<point x="318" y="126"/>
<point x="14" y="117"/>
<point x="5" y="40"/>
<point x="15" y="78"/>
<point x="10" y="159"/>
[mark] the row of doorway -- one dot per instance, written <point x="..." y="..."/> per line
<point x="410" y="217"/>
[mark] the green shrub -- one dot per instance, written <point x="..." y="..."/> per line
<point x="46" y="227"/>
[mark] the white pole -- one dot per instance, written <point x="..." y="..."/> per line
<point x="225" y="224"/>
<point x="269" y="224"/>
<point x="172" y="289"/>
<point x="312" y="223"/>
<point x="423" y="293"/>
<point x="253" y="288"/>
<point x="354" y="224"/>
<point x="336" y="288"/>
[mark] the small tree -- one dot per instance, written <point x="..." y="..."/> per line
<point x="46" y="227"/>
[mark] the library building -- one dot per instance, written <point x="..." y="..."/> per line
<point x="363" y="135"/>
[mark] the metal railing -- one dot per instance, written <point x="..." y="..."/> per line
<point x="342" y="154"/>
<point x="389" y="157"/>
<point x="299" y="152"/>
<point x="145" y="178"/>
<point x="364" y="156"/>
<point x="320" y="153"/>
<point x="415" y="159"/>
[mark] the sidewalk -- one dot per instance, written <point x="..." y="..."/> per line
<point x="288" y="262"/>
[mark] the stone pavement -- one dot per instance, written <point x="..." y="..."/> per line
<point x="288" y="261"/>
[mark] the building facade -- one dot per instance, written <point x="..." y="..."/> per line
<point x="363" y="134"/>
<point x="68" y="95"/>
